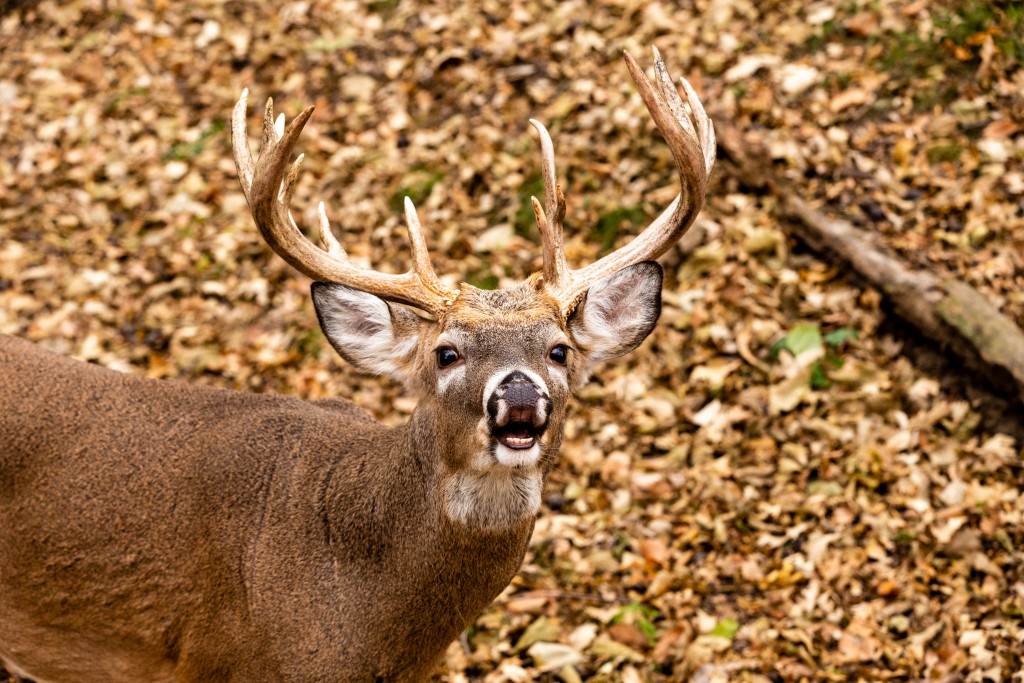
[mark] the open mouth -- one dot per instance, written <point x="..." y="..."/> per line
<point x="516" y="435"/>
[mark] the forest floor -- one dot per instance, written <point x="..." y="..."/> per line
<point x="784" y="483"/>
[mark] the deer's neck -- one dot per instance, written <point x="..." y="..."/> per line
<point x="365" y="560"/>
<point x="415" y="568"/>
<point x="472" y="489"/>
<point x="410" y="495"/>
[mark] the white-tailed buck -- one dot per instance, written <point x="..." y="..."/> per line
<point x="155" y="531"/>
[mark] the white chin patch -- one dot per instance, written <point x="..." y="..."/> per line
<point x="518" y="457"/>
<point x="496" y="499"/>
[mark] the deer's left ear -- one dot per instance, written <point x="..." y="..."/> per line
<point x="373" y="335"/>
<point x="617" y="313"/>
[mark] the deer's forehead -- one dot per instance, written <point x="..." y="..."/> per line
<point x="484" y="311"/>
<point x="501" y="317"/>
<point x="505" y="330"/>
<point x="497" y="334"/>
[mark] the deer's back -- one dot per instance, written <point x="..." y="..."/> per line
<point x="87" y="428"/>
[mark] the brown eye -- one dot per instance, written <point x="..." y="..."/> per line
<point x="446" y="355"/>
<point x="559" y="354"/>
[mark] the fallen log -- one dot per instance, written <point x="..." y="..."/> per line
<point x="951" y="313"/>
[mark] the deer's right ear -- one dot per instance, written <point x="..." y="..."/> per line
<point x="618" y="312"/>
<point x="373" y="335"/>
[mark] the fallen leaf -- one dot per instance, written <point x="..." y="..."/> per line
<point x="551" y="656"/>
<point x="605" y="646"/>
<point x="629" y="634"/>
<point x="542" y="629"/>
<point x="851" y="97"/>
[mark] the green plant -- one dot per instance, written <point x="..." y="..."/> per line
<point x="525" y="221"/>
<point x="966" y="26"/>
<point x="610" y="223"/>
<point x="417" y="185"/>
<point x="804" y="338"/>
<point x="182" y="151"/>
<point x="483" y="280"/>
<point x="640" y="615"/>
<point x="726" y="628"/>
<point x="309" y="343"/>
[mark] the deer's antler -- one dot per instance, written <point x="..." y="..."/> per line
<point x="684" y="125"/>
<point x="691" y="139"/>
<point x="269" y="200"/>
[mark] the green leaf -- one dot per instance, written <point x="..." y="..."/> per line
<point x="836" y="338"/>
<point x="818" y="378"/>
<point x="648" y="630"/>
<point x="726" y="628"/>
<point x="832" y="359"/>
<point x="778" y="347"/>
<point x="803" y="338"/>
<point x="645" y="612"/>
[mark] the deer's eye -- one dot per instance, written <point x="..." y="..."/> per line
<point x="559" y="354"/>
<point x="446" y="355"/>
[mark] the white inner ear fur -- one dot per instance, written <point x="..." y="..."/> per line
<point x="618" y="313"/>
<point x="360" y="326"/>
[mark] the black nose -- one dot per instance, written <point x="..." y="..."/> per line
<point x="517" y="400"/>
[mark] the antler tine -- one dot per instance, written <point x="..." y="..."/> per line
<point x="691" y="139"/>
<point x="334" y="249"/>
<point x="420" y="256"/>
<point x="672" y="99"/>
<point x="288" y="186"/>
<point x="240" y="145"/>
<point x="272" y="131"/>
<point x="549" y="219"/>
<point x="269" y="199"/>
<point x="705" y="131"/>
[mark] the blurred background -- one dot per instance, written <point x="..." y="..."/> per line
<point x="723" y="510"/>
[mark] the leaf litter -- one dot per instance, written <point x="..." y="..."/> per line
<point x="726" y="508"/>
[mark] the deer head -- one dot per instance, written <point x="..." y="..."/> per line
<point x="493" y="369"/>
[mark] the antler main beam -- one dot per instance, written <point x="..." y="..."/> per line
<point x="691" y="139"/>
<point x="269" y="194"/>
